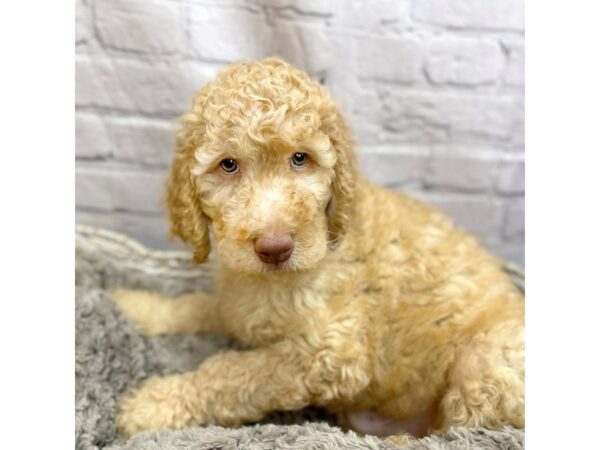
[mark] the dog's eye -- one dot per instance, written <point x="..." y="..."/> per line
<point x="299" y="159"/>
<point x="229" y="166"/>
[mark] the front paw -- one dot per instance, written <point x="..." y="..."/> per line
<point x="167" y="402"/>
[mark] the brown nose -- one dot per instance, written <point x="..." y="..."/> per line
<point x="274" y="248"/>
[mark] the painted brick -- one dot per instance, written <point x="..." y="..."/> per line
<point x="96" y="83"/>
<point x="509" y="251"/>
<point x="83" y="22"/>
<point x="390" y="167"/>
<point x="313" y="7"/>
<point x="111" y="189"/>
<point x="464" y="61"/>
<point x="91" y="139"/>
<point x="221" y="3"/>
<point x="514" y="74"/>
<point x="153" y="88"/>
<point x="511" y="178"/>
<point x="361" y="15"/>
<point x="479" y="215"/>
<point x="460" y="172"/>
<point x="517" y="135"/>
<point x="151" y="231"/>
<point x="477" y="14"/>
<point x="93" y="190"/>
<point x="96" y="219"/>
<point x="145" y="26"/>
<point x="413" y="130"/>
<point x="460" y="114"/>
<point x="368" y="133"/>
<point x="398" y="59"/>
<point x="142" y="141"/>
<point x="514" y="220"/>
<point x="215" y="34"/>
<point x="339" y="78"/>
<point x="307" y="46"/>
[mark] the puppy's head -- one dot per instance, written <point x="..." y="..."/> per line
<point x="265" y="157"/>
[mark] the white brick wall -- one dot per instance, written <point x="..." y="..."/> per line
<point x="433" y="88"/>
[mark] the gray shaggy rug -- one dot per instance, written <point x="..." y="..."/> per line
<point x="112" y="357"/>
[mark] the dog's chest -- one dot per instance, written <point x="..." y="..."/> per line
<point x="259" y="314"/>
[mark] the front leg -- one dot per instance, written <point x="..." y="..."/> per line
<point x="227" y="389"/>
<point x="154" y="314"/>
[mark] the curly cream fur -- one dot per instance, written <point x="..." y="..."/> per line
<point x="383" y="306"/>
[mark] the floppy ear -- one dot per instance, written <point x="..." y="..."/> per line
<point x="188" y="222"/>
<point x="340" y="208"/>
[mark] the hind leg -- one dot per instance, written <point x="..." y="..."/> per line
<point x="154" y="314"/>
<point x="487" y="381"/>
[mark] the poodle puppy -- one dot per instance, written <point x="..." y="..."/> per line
<point x="344" y="294"/>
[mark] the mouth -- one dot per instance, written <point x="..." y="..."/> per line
<point x="276" y="267"/>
